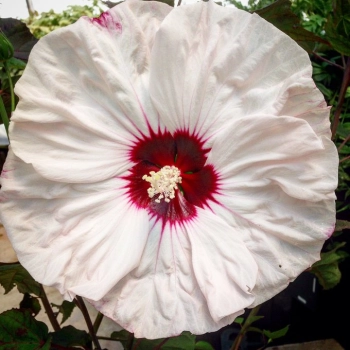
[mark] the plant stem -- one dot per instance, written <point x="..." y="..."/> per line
<point x="4" y="116"/>
<point x="106" y="338"/>
<point x="49" y="311"/>
<point x="81" y="305"/>
<point x="136" y="345"/>
<point x="30" y="7"/>
<point x="328" y="61"/>
<point x="246" y="325"/>
<point x="159" y="346"/>
<point x="343" y="143"/>
<point x="344" y="159"/>
<point x="344" y="86"/>
<point x="11" y="86"/>
<point x="97" y="322"/>
<point x="130" y="342"/>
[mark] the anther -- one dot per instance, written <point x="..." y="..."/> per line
<point x="163" y="183"/>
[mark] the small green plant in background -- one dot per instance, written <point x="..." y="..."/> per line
<point x="46" y="22"/>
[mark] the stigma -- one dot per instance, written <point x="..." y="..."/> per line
<point x="163" y="183"/>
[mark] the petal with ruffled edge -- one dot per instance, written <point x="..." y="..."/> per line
<point x="84" y="95"/>
<point x="264" y="149"/>
<point x="76" y="229"/>
<point x="279" y="191"/>
<point x="196" y="276"/>
<point x="226" y="63"/>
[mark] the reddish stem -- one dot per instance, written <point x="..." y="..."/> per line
<point x="328" y="61"/>
<point x="344" y="159"/>
<point x="49" y="311"/>
<point x="80" y="303"/>
<point x="344" y="86"/>
<point x="344" y="142"/>
<point x="158" y="347"/>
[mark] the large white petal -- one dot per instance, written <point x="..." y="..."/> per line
<point x="77" y="238"/>
<point x="224" y="268"/>
<point x="193" y="276"/>
<point x="84" y="95"/>
<point x="277" y="182"/>
<point x="303" y="100"/>
<point x="284" y="235"/>
<point x="264" y="150"/>
<point x="225" y="64"/>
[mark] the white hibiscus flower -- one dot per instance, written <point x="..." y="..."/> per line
<point x="172" y="166"/>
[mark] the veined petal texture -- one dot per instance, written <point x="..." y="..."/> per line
<point x="173" y="166"/>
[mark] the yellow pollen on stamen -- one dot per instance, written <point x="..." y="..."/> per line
<point x="163" y="182"/>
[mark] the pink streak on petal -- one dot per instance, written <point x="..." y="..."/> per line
<point x="330" y="231"/>
<point x="107" y="21"/>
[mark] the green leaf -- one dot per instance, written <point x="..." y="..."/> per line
<point x="342" y="225"/>
<point x="331" y="256"/>
<point x="69" y="336"/>
<point x="16" y="63"/>
<point x="276" y="334"/>
<point x="19" y="35"/>
<point x="254" y="329"/>
<point x="338" y="26"/>
<point x="252" y="319"/>
<point x="6" y="48"/>
<point x="344" y="128"/>
<point x="30" y="303"/>
<point x="280" y="15"/>
<point x="46" y="22"/>
<point x="203" y="345"/>
<point x="185" y="341"/>
<point x="16" y="274"/>
<point x="19" y="330"/>
<point x="327" y="269"/>
<point x="125" y="337"/>
<point x="66" y="309"/>
<point x="239" y="320"/>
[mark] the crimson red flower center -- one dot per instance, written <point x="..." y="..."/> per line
<point x="182" y="151"/>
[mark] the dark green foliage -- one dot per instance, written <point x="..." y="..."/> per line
<point x="185" y="341"/>
<point x="327" y="269"/>
<point x="19" y="36"/>
<point x="280" y="15"/>
<point x="19" y="330"/>
<point x="276" y="334"/>
<point x="69" y="337"/>
<point x="203" y="345"/>
<point x="16" y="274"/>
<point x="338" y="26"/>
<point x="342" y="225"/>
<point x="253" y="5"/>
<point x="31" y="303"/>
<point x="125" y="337"/>
<point x="6" y="48"/>
<point x="66" y="309"/>
<point x="313" y="14"/>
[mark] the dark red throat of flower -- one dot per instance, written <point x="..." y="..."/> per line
<point x="198" y="181"/>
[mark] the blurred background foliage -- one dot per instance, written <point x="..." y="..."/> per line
<point x="46" y="22"/>
<point x="321" y="27"/>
